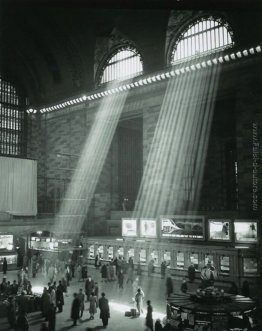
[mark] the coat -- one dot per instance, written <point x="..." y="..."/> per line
<point x="93" y="304"/>
<point x="45" y="302"/>
<point x="59" y="295"/>
<point x="149" y="318"/>
<point x="104" y="308"/>
<point x="75" y="309"/>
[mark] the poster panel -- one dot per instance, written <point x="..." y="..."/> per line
<point x="129" y="227"/>
<point x="245" y="231"/>
<point x="183" y="227"/>
<point x="219" y="229"/>
<point x="148" y="228"/>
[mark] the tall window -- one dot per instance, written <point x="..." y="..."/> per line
<point x="203" y="37"/>
<point x="12" y="120"/>
<point x="126" y="63"/>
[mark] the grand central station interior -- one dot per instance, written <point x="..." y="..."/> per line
<point x="130" y="165"/>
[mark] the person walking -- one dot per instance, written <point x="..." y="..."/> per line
<point x="120" y="278"/>
<point x="169" y="286"/>
<point x="104" y="309"/>
<point x="45" y="299"/>
<point x="89" y="284"/>
<point x="59" y="297"/>
<point x="75" y="309"/>
<point x="22" y="322"/>
<point x="93" y="305"/>
<point x="163" y="269"/>
<point x="51" y="317"/>
<point x="81" y="298"/>
<point x="149" y="317"/>
<point x="4" y="266"/>
<point x="139" y="297"/>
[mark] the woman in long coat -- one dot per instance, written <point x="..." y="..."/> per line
<point x="93" y="305"/>
<point x="45" y="303"/>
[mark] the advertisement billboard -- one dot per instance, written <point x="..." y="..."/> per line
<point x="148" y="228"/>
<point x="219" y="229"/>
<point x="183" y="227"/>
<point x="129" y="227"/>
<point x="245" y="231"/>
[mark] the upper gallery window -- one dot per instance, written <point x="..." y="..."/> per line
<point x="124" y="64"/>
<point x="12" y="120"/>
<point x="203" y="37"/>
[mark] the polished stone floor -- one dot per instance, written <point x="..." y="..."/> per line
<point x="120" y="300"/>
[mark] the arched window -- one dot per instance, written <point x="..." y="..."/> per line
<point x="203" y="37"/>
<point x="123" y="64"/>
<point x="12" y="120"/>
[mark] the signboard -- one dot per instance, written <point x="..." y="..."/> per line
<point x="148" y="228"/>
<point x="129" y="227"/>
<point x="219" y="229"/>
<point x="183" y="227"/>
<point x="6" y="241"/>
<point x="245" y="231"/>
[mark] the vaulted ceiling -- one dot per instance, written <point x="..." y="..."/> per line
<point x="48" y="47"/>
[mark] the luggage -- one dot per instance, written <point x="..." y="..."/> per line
<point x="128" y="314"/>
<point x="133" y="312"/>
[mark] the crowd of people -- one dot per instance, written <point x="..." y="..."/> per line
<point x="59" y="275"/>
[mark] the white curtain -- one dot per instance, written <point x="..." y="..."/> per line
<point x="18" y="186"/>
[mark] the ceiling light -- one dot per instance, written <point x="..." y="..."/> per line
<point x="258" y="49"/>
<point x="84" y="97"/>
<point x="193" y="67"/>
<point x="226" y="57"/>
<point x="251" y="51"/>
<point x="233" y="56"/>
<point x="203" y="64"/>
<point x="198" y="65"/>
<point x="209" y="63"/>
<point x="215" y="61"/>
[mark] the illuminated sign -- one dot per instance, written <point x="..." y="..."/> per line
<point x="245" y="231"/>
<point x="219" y="229"/>
<point x="148" y="228"/>
<point x="183" y="227"/>
<point x="129" y="227"/>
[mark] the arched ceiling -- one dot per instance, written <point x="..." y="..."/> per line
<point x="47" y="47"/>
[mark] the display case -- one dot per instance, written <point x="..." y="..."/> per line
<point x="10" y="259"/>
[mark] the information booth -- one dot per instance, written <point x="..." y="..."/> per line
<point x="7" y="250"/>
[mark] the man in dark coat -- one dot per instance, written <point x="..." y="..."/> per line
<point x="51" y="317"/>
<point x="149" y="317"/>
<point x="60" y="297"/>
<point x="75" y="309"/>
<point x="89" y="285"/>
<point x="104" y="309"/>
<point x="169" y="286"/>
<point x="4" y="266"/>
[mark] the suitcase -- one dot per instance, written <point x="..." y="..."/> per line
<point x="133" y="312"/>
<point x="128" y="313"/>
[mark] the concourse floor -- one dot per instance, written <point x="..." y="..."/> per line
<point x="120" y="300"/>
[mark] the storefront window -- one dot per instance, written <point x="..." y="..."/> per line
<point x="250" y="265"/>
<point x="120" y="252"/>
<point x="130" y="253"/>
<point x="167" y="257"/>
<point x="154" y="257"/>
<point x="180" y="260"/>
<point x="224" y="265"/>
<point x="110" y="252"/>
<point x="100" y="252"/>
<point x="194" y="260"/>
<point x="142" y="256"/>
<point x="91" y="252"/>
